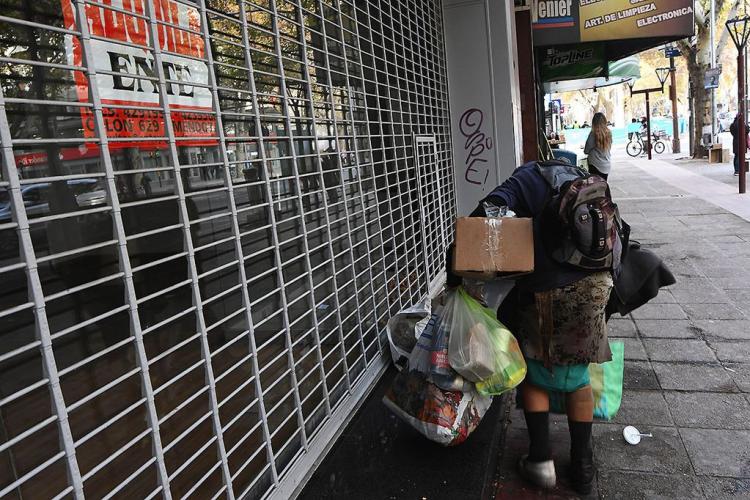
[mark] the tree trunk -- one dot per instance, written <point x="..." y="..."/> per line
<point x="700" y="96"/>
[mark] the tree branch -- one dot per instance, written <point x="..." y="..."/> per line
<point x="724" y="31"/>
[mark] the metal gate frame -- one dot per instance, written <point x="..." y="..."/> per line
<point x="393" y="104"/>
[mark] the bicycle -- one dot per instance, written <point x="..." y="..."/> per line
<point x="635" y="147"/>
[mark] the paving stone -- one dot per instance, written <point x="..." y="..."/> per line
<point x="740" y="373"/>
<point x="683" y="268"/>
<point x="643" y="408"/>
<point x="712" y="270"/>
<point x="732" y="351"/>
<point x="736" y="282"/>
<point x="703" y="291"/>
<point x="694" y="377"/>
<point x="722" y="488"/>
<point x="712" y="311"/>
<point x="659" y="311"/>
<point x="709" y="410"/>
<point x="663" y="453"/>
<point x="678" y="350"/>
<point x="729" y="238"/>
<point x="639" y="375"/>
<point x="663" y="297"/>
<point x="724" y="329"/>
<point x="642" y="486"/>
<point x="718" y="452"/>
<point x="621" y="328"/>
<point x="633" y="349"/>
<point x="666" y="328"/>
<point x="740" y="299"/>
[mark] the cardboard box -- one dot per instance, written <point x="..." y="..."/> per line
<point x="488" y="248"/>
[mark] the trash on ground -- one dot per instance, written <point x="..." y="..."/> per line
<point x="633" y="436"/>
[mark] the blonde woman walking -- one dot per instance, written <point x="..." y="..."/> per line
<point x="598" y="147"/>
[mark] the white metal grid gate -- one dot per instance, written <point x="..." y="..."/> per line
<point x="208" y="210"/>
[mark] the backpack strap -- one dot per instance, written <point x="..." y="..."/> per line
<point x="557" y="173"/>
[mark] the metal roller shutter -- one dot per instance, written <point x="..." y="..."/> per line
<point x="208" y="211"/>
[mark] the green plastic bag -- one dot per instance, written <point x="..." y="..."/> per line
<point x="606" y="384"/>
<point x="480" y="348"/>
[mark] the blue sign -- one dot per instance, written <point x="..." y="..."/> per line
<point x="672" y="52"/>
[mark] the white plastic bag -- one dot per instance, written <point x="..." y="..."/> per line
<point x="441" y="415"/>
<point x="404" y="329"/>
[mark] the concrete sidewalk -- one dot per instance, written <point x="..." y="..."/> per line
<point x="687" y="368"/>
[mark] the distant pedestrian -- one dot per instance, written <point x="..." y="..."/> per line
<point x="633" y="128"/>
<point x="146" y="184"/>
<point x="598" y="147"/>
<point x="734" y="129"/>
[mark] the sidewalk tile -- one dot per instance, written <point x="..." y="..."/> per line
<point x="643" y="408"/>
<point x="664" y="297"/>
<point x="709" y="410"/>
<point x="665" y="328"/>
<point x="700" y="293"/>
<point x="663" y="453"/>
<point x="713" y="270"/>
<point x="729" y="238"/>
<point x="678" y="350"/>
<point x="724" y="329"/>
<point x="738" y="281"/>
<point x="659" y="311"/>
<point x="642" y="485"/>
<point x="682" y="268"/>
<point x="633" y="349"/>
<point x="718" y="452"/>
<point x="639" y="375"/>
<point x="724" y="488"/>
<point x="737" y="352"/>
<point x="694" y="377"/>
<point x="620" y="327"/>
<point x="712" y="311"/>
<point x="740" y="299"/>
<point x="741" y="375"/>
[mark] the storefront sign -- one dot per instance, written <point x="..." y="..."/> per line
<point x="126" y="74"/>
<point x="560" y="22"/>
<point x="577" y="62"/>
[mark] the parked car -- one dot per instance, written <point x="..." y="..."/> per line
<point x="87" y="193"/>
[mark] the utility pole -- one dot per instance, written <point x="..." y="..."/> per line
<point x="673" y="97"/>
<point x="713" y="65"/>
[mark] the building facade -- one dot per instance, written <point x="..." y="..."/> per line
<point x="208" y="211"/>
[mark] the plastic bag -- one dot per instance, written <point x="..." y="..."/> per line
<point x="480" y="348"/>
<point x="430" y="356"/>
<point x="404" y="329"/>
<point x="606" y="385"/>
<point x="440" y="371"/>
<point x="446" y="416"/>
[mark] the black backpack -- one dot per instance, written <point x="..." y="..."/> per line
<point x="581" y="225"/>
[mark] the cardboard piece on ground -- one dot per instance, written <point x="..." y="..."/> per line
<point x="487" y="248"/>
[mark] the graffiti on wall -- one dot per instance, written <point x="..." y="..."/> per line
<point x="477" y="144"/>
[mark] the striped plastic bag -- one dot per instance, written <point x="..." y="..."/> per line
<point x="606" y="384"/>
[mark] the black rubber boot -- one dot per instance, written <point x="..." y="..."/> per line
<point x="582" y="470"/>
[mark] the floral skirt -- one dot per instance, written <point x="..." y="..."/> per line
<point x="566" y="325"/>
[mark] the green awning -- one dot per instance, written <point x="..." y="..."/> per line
<point x="590" y="74"/>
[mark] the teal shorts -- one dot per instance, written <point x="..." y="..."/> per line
<point x="559" y="378"/>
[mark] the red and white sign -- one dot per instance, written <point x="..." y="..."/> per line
<point x="125" y="63"/>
